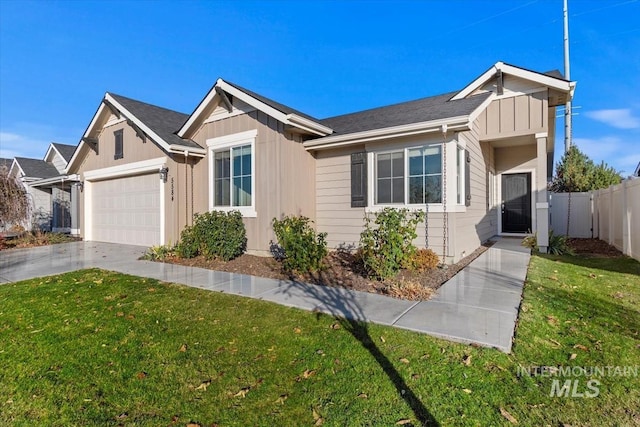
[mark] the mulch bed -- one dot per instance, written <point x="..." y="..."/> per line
<point x="593" y="248"/>
<point x="342" y="269"/>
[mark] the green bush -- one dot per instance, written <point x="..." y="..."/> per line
<point x="214" y="235"/>
<point x="557" y="244"/>
<point x="302" y="249"/>
<point x="386" y="244"/>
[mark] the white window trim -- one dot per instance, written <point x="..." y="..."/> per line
<point x="228" y="142"/>
<point x="452" y="205"/>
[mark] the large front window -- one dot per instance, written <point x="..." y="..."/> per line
<point x="232" y="177"/>
<point x="232" y="172"/>
<point x="410" y="176"/>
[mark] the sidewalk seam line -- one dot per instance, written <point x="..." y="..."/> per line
<point x="405" y="312"/>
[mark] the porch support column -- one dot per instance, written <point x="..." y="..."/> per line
<point x="542" y="202"/>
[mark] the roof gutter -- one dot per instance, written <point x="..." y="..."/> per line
<point x="187" y="151"/>
<point x="458" y="123"/>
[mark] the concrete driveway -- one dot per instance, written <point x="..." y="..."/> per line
<point x="479" y="305"/>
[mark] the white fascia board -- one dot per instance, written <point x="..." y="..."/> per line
<point x="126" y="169"/>
<point x="475" y="113"/>
<point x="51" y="148"/>
<point x="16" y="164"/>
<point x="74" y="157"/>
<point x="198" y="111"/>
<point x="289" y="119"/>
<point x="308" y="125"/>
<point x="47" y="181"/>
<point x="187" y="151"/>
<point x="453" y="123"/>
<point x="94" y="120"/>
<point x="551" y="82"/>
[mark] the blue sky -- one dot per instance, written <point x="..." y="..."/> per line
<point x="58" y="58"/>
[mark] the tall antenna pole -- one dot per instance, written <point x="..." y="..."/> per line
<point x="567" y="75"/>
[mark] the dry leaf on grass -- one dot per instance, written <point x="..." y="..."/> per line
<point x="317" y="418"/>
<point x="382" y="339"/>
<point x="404" y="360"/>
<point x="508" y="416"/>
<point x="363" y="396"/>
<point x="466" y="390"/>
<point x="466" y="360"/>
<point x="581" y="347"/>
<point x="573" y="356"/>
<point x="403" y="422"/>
<point x="141" y="375"/>
<point x="335" y="326"/>
<point x="282" y="398"/>
<point x="243" y="392"/>
<point x="203" y="386"/>
<point x="183" y="348"/>
<point x="297" y="330"/>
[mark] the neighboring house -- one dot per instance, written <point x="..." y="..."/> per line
<point x="477" y="160"/>
<point x="49" y="188"/>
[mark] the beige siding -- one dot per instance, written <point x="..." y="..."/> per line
<point x="479" y="222"/>
<point x="521" y="157"/>
<point x="135" y="149"/>
<point x="285" y="174"/>
<point x="335" y="216"/>
<point x="514" y="116"/>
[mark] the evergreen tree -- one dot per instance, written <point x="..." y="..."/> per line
<point x="576" y="172"/>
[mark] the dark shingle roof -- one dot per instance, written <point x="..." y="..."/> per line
<point x="273" y="104"/>
<point x="5" y="163"/>
<point x="555" y="73"/>
<point x="36" y="168"/>
<point x="420" y="110"/>
<point x="65" y="150"/>
<point x="162" y="121"/>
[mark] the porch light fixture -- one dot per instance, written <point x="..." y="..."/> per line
<point x="80" y="185"/>
<point x="164" y="172"/>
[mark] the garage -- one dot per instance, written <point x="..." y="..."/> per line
<point x="126" y="210"/>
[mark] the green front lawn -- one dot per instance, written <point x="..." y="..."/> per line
<point x="95" y="347"/>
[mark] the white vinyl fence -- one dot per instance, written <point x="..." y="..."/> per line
<point x="611" y="214"/>
<point x="581" y="207"/>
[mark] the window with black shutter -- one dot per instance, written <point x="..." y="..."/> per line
<point x="359" y="180"/>
<point x="118" y="145"/>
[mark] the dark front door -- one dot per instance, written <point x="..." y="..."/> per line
<point x="516" y="203"/>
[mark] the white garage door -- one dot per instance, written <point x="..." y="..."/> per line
<point x="126" y="210"/>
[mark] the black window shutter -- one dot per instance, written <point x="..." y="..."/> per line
<point x="118" y="145"/>
<point x="359" y="180"/>
<point x="467" y="178"/>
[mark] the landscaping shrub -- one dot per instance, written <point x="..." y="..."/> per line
<point x="158" y="253"/>
<point x="557" y="244"/>
<point x="386" y="242"/>
<point x="302" y="247"/>
<point x="214" y="235"/>
<point x="423" y="260"/>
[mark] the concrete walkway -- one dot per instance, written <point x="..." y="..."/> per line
<point x="479" y="305"/>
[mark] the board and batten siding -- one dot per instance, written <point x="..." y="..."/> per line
<point x="285" y="174"/>
<point x="514" y="116"/>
